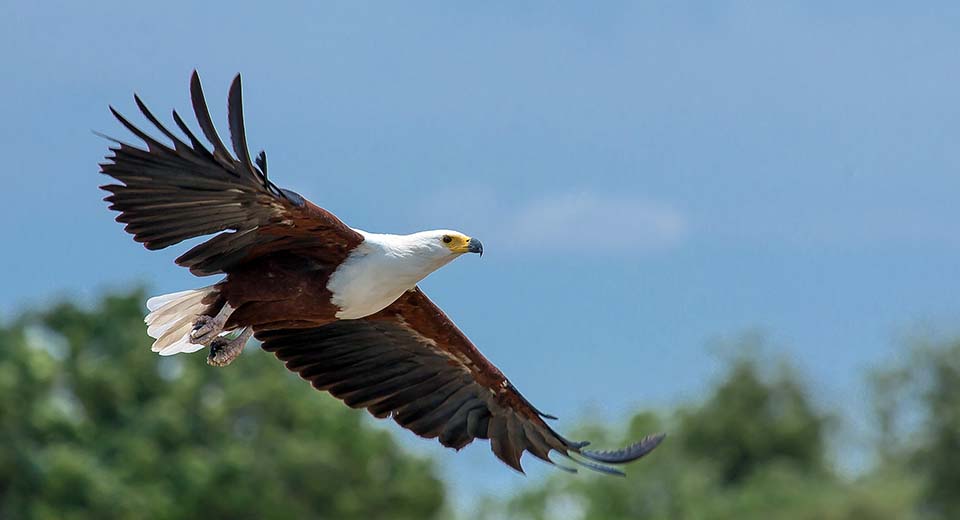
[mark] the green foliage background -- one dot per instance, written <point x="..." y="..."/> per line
<point x="94" y="426"/>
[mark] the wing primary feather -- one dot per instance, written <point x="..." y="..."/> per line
<point x="177" y="142"/>
<point x="501" y="444"/>
<point x="202" y="113"/>
<point x="537" y="446"/>
<point x="112" y="139"/>
<point x="151" y="142"/>
<point x="238" y="134"/>
<point x="197" y="144"/>
<point x="627" y="454"/>
<point x="518" y="440"/>
<point x="598" y="467"/>
<point x="564" y="468"/>
<point x="528" y="403"/>
<point x="262" y="161"/>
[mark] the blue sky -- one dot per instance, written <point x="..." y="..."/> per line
<point x="647" y="178"/>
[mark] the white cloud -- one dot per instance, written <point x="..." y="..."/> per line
<point x="599" y="222"/>
<point x="586" y="221"/>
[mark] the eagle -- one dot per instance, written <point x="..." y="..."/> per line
<point x="338" y="306"/>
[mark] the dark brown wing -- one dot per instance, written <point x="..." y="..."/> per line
<point x="411" y="362"/>
<point x="171" y="194"/>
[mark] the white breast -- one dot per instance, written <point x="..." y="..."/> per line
<point x="376" y="273"/>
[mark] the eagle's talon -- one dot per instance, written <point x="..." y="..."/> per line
<point x="202" y="329"/>
<point x="223" y="350"/>
<point x="206" y="329"/>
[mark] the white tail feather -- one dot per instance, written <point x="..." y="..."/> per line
<point x="159" y="301"/>
<point x="171" y="319"/>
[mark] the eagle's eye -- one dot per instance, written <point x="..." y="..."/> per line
<point x="447" y="239"/>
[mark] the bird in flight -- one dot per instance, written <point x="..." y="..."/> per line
<point x="339" y="306"/>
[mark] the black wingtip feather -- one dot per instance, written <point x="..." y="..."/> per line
<point x="202" y="113"/>
<point x="197" y="144"/>
<point x="238" y="133"/>
<point x="177" y="142"/>
<point x="261" y="161"/>
<point x="627" y="454"/>
<point x="599" y="467"/>
<point x="108" y="138"/>
<point x="152" y="144"/>
<point x="528" y="403"/>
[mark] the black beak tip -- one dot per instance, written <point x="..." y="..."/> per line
<point x="475" y="246"/>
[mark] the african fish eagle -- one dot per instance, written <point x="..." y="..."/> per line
<point x="339" y="306"/>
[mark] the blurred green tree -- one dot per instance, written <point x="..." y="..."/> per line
<point x="753" y="420"/>
<point x="94" y="425"/>
<point x="918" y="413"/>
<point x="755" y="448"/>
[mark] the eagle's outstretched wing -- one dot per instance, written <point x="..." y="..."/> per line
<point x="170" y="194"/>
<point x="411" y="362"/>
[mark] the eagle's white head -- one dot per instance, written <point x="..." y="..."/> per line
<point x="384" y="266"/>
<point x="438" y="244"/>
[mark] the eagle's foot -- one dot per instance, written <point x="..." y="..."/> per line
<point x="208" y="328"/>
<point x="223" y="350"/>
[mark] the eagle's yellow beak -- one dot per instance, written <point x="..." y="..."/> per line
<point x="463" y="244"/>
